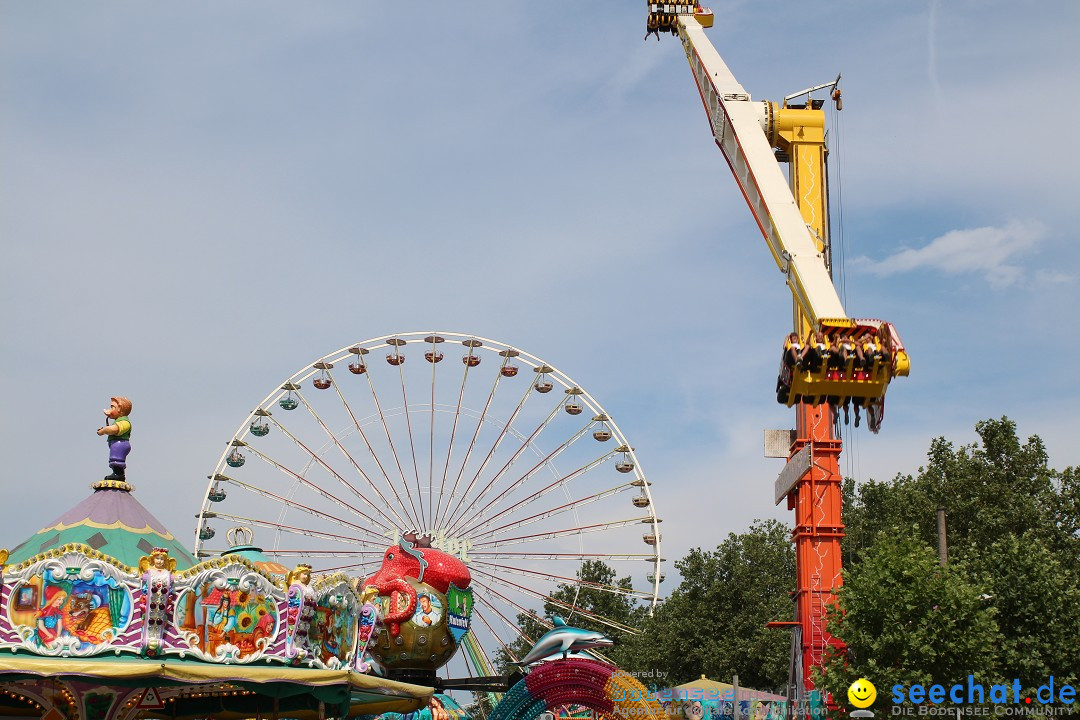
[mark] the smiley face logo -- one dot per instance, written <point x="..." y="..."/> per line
<point x="862" y="693"/>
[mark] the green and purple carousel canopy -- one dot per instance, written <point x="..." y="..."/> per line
<point x="110" y="521"/>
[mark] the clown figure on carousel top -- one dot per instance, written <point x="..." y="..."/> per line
<point x="119" y="433"/>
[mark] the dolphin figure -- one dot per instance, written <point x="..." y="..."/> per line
<point x="563" y="639"/>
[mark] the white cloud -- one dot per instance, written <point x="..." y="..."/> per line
<point x="641" y="65"/>
<point x="1052" y="277"/>
<point x="990" y="251"/>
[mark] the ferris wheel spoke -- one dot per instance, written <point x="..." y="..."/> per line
<point x="350" y="566"/>
<point x="506" y="646"/>
<point x="525" y="443"/>
<point x="498" y="440"/>
<point x="494" y="555"/>
<point x="478" y="511"/>
<point x="475" y="533"/>
<point x="612" y="589"/>
<point x="344" y="451"/>
<point x="324" y="553"/>
<point x="393" y="449"/>
<point x="472" y="442"/>
<point x="412" y="446"/>
<point x="307" y="483"/>
<point x="289" y="502"/>
<point x="450" y="444"/>
<point x="565" y="605"/>
<point x="466" y="661"/>
<point x="431" y="433"/>
<point x="481" y="599"/>
<point x="292" y="529"/>
<point x="337" y="443"/>
<point x="550" y="535"/>
<point x="378" y="462"/>
<point x="479" y="657"/>
<point x="478" y="514"/>
<point x="468" y="658"/>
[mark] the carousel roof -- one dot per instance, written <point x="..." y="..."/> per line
<point x="192" y="689"/>
<point x="110" y="521"/>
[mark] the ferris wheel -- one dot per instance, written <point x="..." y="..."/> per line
<point x="501" y="458"/>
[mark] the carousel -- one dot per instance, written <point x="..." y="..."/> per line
<point x="104" y="614"/>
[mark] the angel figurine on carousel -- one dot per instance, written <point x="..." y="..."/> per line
<point x="300" y="613"/>
<point x="157" y="569"/>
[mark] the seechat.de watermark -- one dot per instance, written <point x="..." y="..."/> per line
<point x="972" y="698"/>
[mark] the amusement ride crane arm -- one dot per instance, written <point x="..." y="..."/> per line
<point x="739" y="126"/>
<point x="830" y="357"/>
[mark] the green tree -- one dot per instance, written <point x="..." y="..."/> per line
<point x="1036" y="596"/>
<point x="989" y="490"/>
<point x="598" y="601"/>
<point x="1067" y="509"/>
<point x="908" y="620"/>
<point x="714" y="621"/>
<point x="1013" y="536"/>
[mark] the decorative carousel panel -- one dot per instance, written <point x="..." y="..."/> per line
<point x="72" y="605"/>
<point x="228" y="614"/>
<point x="334" y="631"/>
<point x="459" y="611"/>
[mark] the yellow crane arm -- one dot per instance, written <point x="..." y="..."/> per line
<point x="831" y="357"/>
<point x="739" y="127"/>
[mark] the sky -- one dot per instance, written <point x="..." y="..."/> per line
<point x="199" y="199"/>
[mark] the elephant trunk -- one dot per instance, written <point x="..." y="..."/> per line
<point x="393" y="589"/>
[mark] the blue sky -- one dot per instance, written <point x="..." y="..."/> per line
<point x="198" y="199"/>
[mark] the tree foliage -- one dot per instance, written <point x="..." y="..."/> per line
<point x="586" y="604"/>
<point x="1010" y="594"/>
<point x="908" y="620"/>
<point x="1035" y="594"/>
<point x="713" y="623"/>
<point x="990" y="490"/>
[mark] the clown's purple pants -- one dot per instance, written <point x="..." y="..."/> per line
<point x="118" y="452"/>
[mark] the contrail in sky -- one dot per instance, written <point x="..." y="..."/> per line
<point x="931" y="42"/>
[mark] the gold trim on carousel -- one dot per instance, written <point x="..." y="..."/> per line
<point x="112" y="485"/>
<point x="85" y="550"/>
<point x="223" y="561"/>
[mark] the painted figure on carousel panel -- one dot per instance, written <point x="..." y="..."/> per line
<point x="223" y="617"/>
<point x="50" y="618"/>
